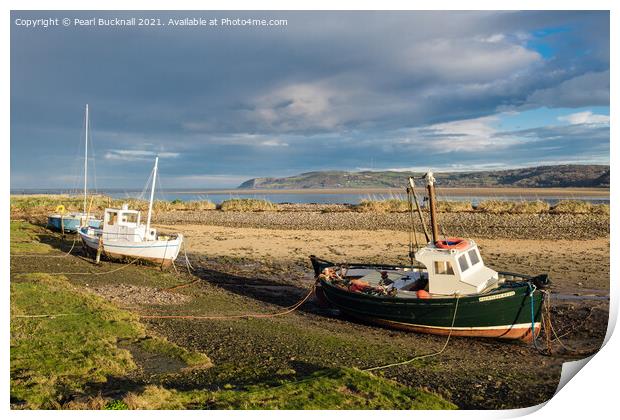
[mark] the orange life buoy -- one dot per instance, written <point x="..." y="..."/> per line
<point x="422" y="294"/>
<point x="452" y="243"/>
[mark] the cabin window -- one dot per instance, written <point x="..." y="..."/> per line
<point x="112" y="218"/>
<point x="463" y="262"/>
<point x="473" y="257"/>
<point x="443" y="267"/>
<point x="130" y="217"/>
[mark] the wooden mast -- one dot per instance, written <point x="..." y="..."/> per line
<point x="430" y="186"/>
<point x="417" y="206"/>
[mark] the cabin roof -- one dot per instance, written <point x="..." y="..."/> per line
<point x="121" y="210"/>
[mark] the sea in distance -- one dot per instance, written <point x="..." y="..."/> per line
<point x="347" y="196"/>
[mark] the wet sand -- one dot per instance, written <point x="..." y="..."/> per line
<point x="568" y="262"/>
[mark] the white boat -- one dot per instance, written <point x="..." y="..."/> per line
<point x="123" y="236"/>
<point x="71" y="222"/>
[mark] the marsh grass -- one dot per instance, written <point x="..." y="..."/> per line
<point x="97" y="203"/>
<point x="344" y="388"/>
<point x="390" y="205"/>
<point x="247" y="204"/>
<point x="32" y="205"/>
<point x="398" y="205"/>
<point x="530" y="207"/>
<point x="572" y="207"/>
<point x="518" y="207"/>
<point x="601" y="209"/>
<point x="454" y="206"/>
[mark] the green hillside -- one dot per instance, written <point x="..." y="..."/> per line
<point x="541" y="176"/>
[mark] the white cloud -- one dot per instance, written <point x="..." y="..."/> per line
<point x="299" y="106"/>
<point x="469" y="60"/>
<point x="136" y="155"/>
<point x="586" y="117"/>
<point x="274" y="143"/>
<point x="477" y="134"/>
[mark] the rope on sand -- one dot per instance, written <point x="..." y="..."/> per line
<point x="456" y="306"/>
<point x="288" y="310"/>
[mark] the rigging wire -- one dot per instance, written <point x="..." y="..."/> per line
<point x="93" y="160"/>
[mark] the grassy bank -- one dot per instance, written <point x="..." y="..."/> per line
<point x="330" y="389"/>
<point x="64" y="340"/>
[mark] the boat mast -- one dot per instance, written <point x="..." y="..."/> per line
<point x="86" y="159"/>
<point x="148" y="217"/>
<point x="417" y="206"/>
<point x="430" y="186"/>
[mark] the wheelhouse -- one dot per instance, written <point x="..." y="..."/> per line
<point x="456" y="271"/>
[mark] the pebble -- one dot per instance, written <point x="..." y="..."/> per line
<point x="340" y="217"/>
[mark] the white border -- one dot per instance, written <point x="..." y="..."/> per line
<point x="590" y="394"/>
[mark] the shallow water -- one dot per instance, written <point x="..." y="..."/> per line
<point x="318" y="198"/>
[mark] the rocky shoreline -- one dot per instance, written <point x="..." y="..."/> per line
<point x="470" y="224"/>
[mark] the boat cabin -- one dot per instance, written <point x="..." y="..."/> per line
<point x="125" y="224"/>
<point x="456" y="271"/>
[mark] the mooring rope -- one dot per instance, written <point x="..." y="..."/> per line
<point x="288" y="310"/>
<point x="456" y="306"/>
<point x="100" y="273"/>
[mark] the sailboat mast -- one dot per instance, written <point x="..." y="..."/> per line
<point x="430" y="185"/>
<point x="85" y="159"/>
<point x="148" y="217"/>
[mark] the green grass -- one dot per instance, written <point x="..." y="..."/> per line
<point x="165" y="347"/>
<point x="247" y="204"/>
<point x="344" y="388"/>
<point x="25" y="240"/>
<point x="53" y="358"/>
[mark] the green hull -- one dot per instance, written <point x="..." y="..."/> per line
<point x="505" y="312"/>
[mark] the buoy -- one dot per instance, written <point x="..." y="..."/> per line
<point x="452" y="243"/>
<point x="423" y="294"/>
<point x="60" y="209"/>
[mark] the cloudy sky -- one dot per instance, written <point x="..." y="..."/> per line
<point x="349" y="90"/>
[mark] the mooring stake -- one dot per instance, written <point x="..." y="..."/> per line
<point x="99" y="249"/>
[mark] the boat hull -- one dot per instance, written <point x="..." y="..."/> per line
<point x="505" y="313"/>
<point x="159" y="252"/>
<point x="69" y="223"/>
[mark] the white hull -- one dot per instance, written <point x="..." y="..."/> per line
<point x="159" y="251"/>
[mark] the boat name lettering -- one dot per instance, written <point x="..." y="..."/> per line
<point x="493" y="297"/>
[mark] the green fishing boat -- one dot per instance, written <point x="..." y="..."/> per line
<point x="447" y="289"/>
